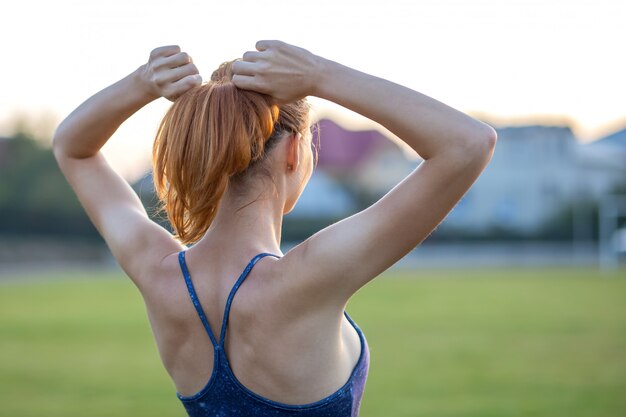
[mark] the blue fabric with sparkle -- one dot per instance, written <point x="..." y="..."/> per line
<point x="225" y="396"/>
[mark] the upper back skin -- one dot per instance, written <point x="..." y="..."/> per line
<point x="275" y="349"/>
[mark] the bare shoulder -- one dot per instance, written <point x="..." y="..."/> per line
<point x="296" y="282"/>
<point x="164" y="289"/>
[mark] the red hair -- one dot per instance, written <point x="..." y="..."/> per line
<point x="210" y="135"/>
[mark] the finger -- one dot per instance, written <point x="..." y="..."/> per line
<point x="174" y="61"/>
<point x="178" y="73"/>
<point x="243" y="68"/>
<point x="164" y="51"/>
<point x="178" y="88"/>
<point x="251" y="56"/>
<point x="247" y="82"/>
<point x="263" y="45"/>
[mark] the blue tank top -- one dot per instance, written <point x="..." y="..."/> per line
<point x="225" y="396"/>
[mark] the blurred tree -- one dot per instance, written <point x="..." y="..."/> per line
<point x="35" y="198"/>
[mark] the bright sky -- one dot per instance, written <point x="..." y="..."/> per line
<point x="502" y="60"/>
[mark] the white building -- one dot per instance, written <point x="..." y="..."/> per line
<point x="323" y="197"/>
<point x="604" y="164"/>
<point x="531" y="176"/>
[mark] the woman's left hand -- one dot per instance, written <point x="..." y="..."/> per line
<point x="169" y="73"/>
<point x="286" y="72"/>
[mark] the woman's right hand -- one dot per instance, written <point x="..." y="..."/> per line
<point x="284" y="71"/>
<point x="169" y="73"/>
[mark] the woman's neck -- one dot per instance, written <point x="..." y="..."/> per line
<point x="251" y="224"/>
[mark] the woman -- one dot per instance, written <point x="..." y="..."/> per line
<point x="231" y="157"/>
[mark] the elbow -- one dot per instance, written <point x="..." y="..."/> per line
<point x="491" y="137"/>
<point x="58" y="147"/>
<point x="483" y="143"/>
<point x="475" y="148"/>
<point x="56" y="141"/>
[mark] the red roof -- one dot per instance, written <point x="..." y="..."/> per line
<point x="342" y="148"/>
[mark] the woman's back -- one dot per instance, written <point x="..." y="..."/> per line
<point x="273" y="349"/>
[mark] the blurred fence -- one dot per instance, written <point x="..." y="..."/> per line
<point x="46" y="253"/>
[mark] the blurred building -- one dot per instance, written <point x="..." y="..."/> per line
<point x="365" y="159"/>
<point x="354" y="168"/>
<point x="323" y="196"/>
<point x="531" y="177"/>
<point x="603" y="164"/>
<point x="537" y="173"/>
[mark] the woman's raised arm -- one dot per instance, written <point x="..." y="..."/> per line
<point x="334" y="263"/>
<point x="113" y="207"/>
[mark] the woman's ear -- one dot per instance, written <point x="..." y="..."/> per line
<point x="293" y="152"/>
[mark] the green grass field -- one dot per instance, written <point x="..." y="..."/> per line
<point x="523" y="342"/>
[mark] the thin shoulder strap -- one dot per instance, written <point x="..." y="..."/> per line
<point x="194" y="296"/>
<point x="240" y="280"/>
